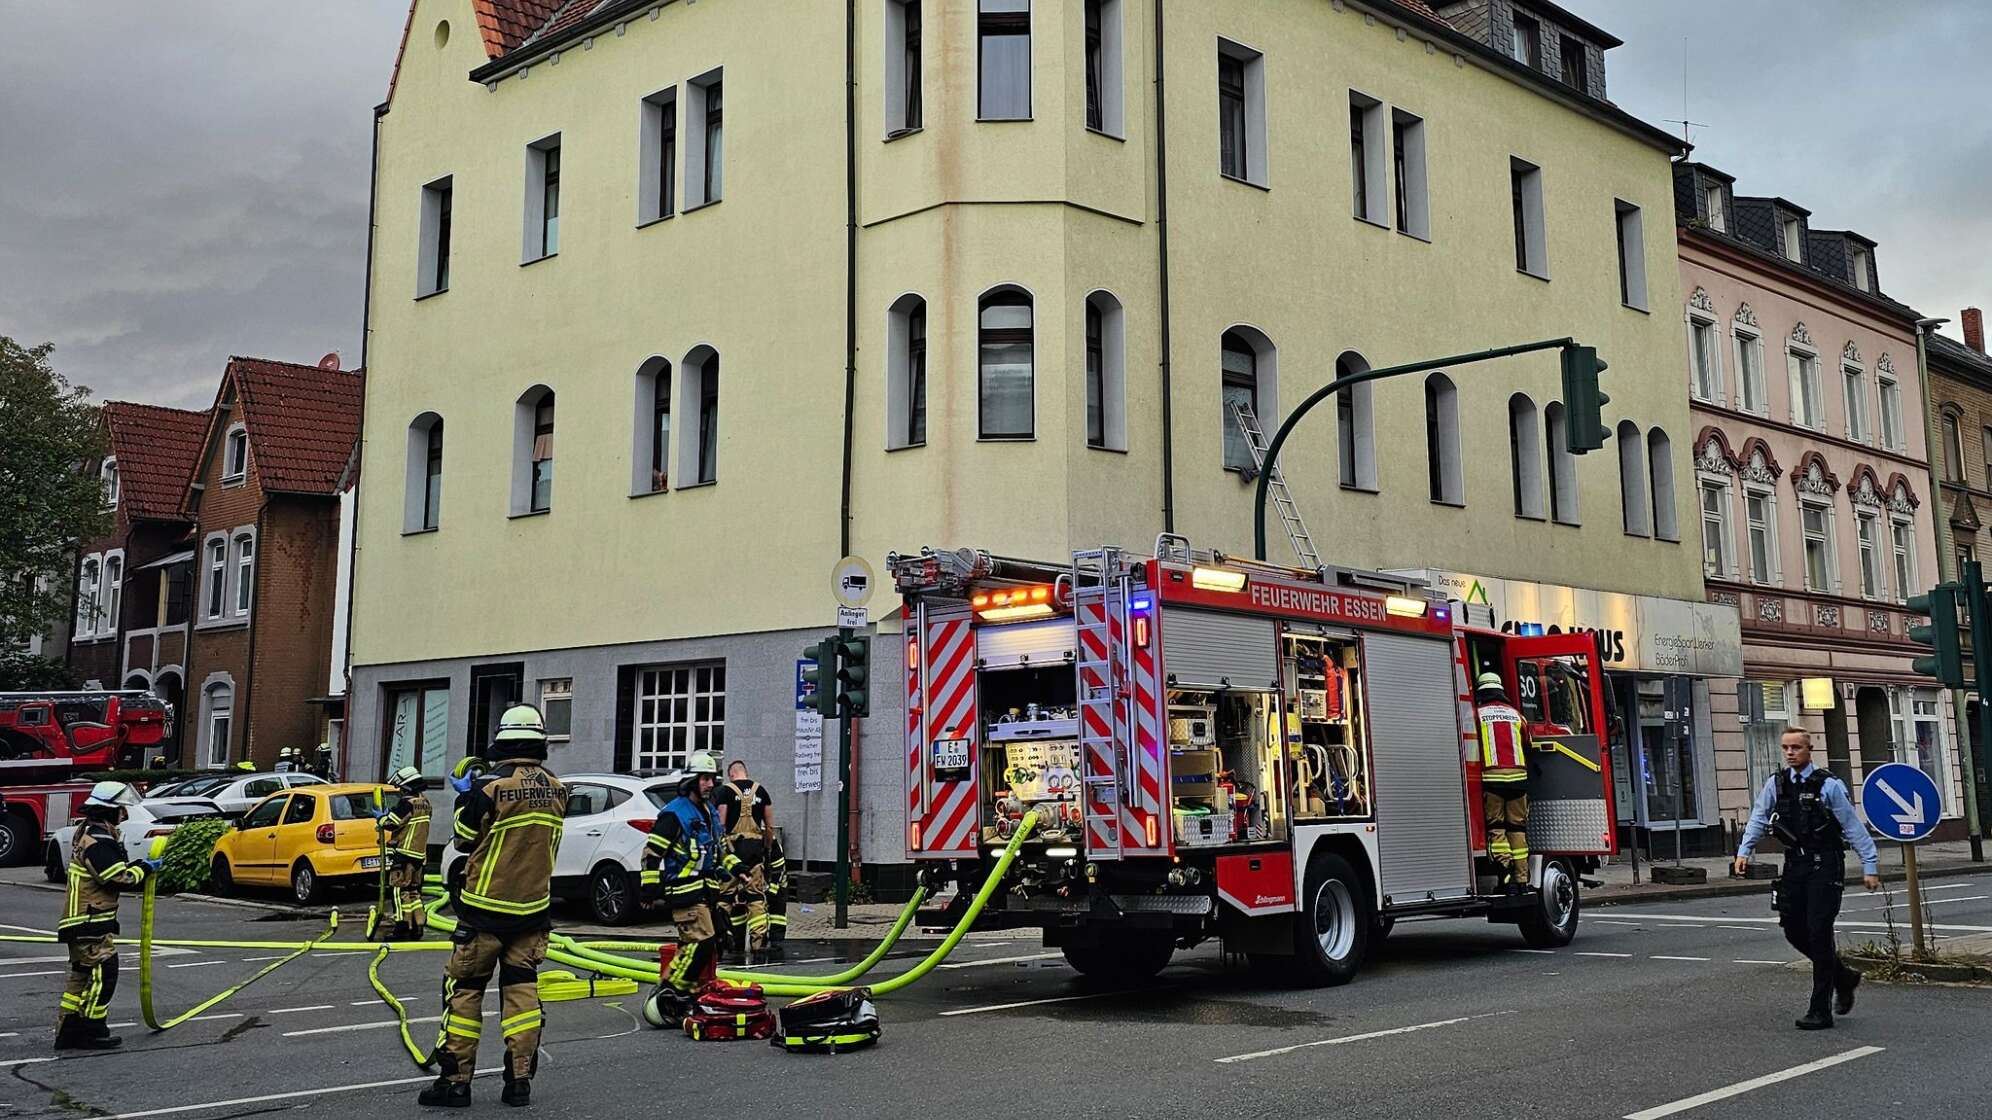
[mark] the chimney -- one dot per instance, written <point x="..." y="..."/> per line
<point x="1974" y="328"/>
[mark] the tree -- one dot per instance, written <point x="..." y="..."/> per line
<point x="49" y="438"/>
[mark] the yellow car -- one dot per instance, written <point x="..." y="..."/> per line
<point x="303" y="838"/>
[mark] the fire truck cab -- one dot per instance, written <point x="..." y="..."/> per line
<point x="1286" y="760"/>
<point x="92" y="728"/>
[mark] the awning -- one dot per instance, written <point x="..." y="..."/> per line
<point x="169" y="561"/>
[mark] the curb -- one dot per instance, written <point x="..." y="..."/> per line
<point x="1635" y="895"/>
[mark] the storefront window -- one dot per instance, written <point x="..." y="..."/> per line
<point x="1665" y="756"/>
<point x="418" y="729"/>
<point x="1766" y="710"/>
<point x="1919" y="726"/>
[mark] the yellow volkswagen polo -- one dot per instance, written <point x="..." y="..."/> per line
<point x="304" y="838"/>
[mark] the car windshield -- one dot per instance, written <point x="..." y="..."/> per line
<point x="196" y="787"/>
<point x="661" y="795"/>
<point x="352" y="806"/>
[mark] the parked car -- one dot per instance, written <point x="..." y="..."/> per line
<point x="601" y="844"/>
<point x="150" y="818"/>
<point x="304" y="838"/>
<point x="235" y="792"/>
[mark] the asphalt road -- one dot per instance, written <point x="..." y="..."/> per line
<point x="1652" y="1006"/>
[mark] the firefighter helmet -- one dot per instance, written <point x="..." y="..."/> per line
<point x="1490" y="682"/>
<point x="520" y="722"/>
<point x="408" y="777"/>
<point x="702" y="763"/>
<point x="110" y="797"/>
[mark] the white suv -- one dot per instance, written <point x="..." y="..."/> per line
<point x="601" y="844"/>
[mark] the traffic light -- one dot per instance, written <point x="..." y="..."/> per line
<point x="818" y="675"/>
<point x="853" y="670"/>
<point x="1583" y="404"/>
<point x="1945" y="661"/>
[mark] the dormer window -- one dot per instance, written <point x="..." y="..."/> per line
<point x="1718" y="218"/>
<point x="1863" y="270"/>
<point x="1576" y="73"/>
<point x="235" y="454"/>
<point x="1793" y="241"/>
<point x="1525" y="42"/>
<point x="108" y="473"/>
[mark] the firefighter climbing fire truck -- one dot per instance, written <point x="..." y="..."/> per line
<point x="1282" y="759"/>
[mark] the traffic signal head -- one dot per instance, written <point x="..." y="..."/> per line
<point x="853" y="672"/>
<point x="1945" y="661"/>
<point x="819" y="674"/>
<point x="1583" y="402"/>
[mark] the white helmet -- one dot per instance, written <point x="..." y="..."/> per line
<point x="408" y="777"/>
<point x="111" y="795"/>
<point x="521" y="722"/>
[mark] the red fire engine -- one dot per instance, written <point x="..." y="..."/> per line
<point x="1286" y="760"/>
<point x="47" y="736"/>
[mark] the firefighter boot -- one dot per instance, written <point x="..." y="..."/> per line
<point x="446" y="1094"/>
<point x="78" y="1033"/>
<point x="518" y="1093"/>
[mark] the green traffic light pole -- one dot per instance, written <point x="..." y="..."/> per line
<point x="1980" y="613"/>
<point x="1340" y="383"/>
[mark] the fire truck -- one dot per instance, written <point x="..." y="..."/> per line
<point x="45" y="737"/>
<point x="1285" y="760"/>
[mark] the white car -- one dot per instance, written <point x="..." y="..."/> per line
<point x="601" y="844"/>
<point x="235" y="793"/>
<point x="148" y="819"/>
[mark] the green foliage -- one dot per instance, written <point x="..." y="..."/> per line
<point x="24" y="672"/>
<point x="50" y="444"/>
<point x="189" y="854"/>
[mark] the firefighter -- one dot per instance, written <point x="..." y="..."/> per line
<point x="1504" y="780"/>
<point x="1809" y="811"/>
<point x="404" y="832"/>
<point x="287" y="761"/>
<point x="322" y="762"/>
<point x="778" y="918"/>
<point x="508" y="820"/>
<point x="98" y="870"/>
<point x="747" y="816"/>
<point x="684" y="860"/>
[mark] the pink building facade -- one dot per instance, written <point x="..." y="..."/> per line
<point x="1813" y="484"/>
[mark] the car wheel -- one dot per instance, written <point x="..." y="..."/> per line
<point x="52" y="868"/>
<point x="1331" y="932"/>
<point x="1552" y="922"/>
<point x="17" y="840"/>
<point x="220" y="880"/>
<point x="1132" y="961"/>
<point x="304" y="883"/>
<point x="611" y="895"/>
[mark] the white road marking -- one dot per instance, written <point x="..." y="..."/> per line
<point x="273" y="957"/>
<point x="1612" y="922"/>
<point x="130" y="958"/>
<point x="1746" y="929"/>
<point x="1926" y="902"/>
<point x="1028" y="1003"/>
<point x="19" y="975"/>
<point x="1741" y="1087"/>
<point x="281" y="1096"/>
<point x="195" y="964"/>
<point x="1546" y="952"/>
<point x="1604" y="954"/>
<point x="1758" y="962"/>
<point x="381" y="1002"/>
<point x="375" y="1026"/>
<point x="294" y="1010"/>
<point x="10" y="1034"/>
<point x="217" y="1015"/>
<point x="1005" y="960"/>
<point x="28" y="929"/>
<point x="23" y="1061"/>
<point x="1844" y="925"/>
<point x="1364" y="1037"/>
<point x="1703" y="960"/>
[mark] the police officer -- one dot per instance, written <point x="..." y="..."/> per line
<point x="1809" y="811"/>
<point x="508" y="819"/>
<point x="98" y="870"/>
<point x="1504" y="780"/>
<point x="747" y="814"/>
<point x="404" y="837"/>
<point x="685" y="862"/>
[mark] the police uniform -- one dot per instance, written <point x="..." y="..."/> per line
<point x="747" y="838"/>
<point x="98" y="870"/>
<point x="405" y="836"/>
<point x="509" y="821"/>
<point x="1811" y="813"/>
<point x="1504" y="788"/>
<point x="684" y="862"/>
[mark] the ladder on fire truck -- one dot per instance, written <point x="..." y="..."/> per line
<point x="1099" y="600"/>
<point x="1255" y="442"/>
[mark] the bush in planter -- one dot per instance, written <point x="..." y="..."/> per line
<point x="189" y="855"/>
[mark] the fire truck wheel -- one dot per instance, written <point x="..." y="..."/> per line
<point x="1131" y="961"/>
<point x="52" y="868"/>
<point x="17" y="839"/>
<point x="1331" y="933"/>
<point x="1552" y="922"/>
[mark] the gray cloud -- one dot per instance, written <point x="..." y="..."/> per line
<point x="1876" y="117"/>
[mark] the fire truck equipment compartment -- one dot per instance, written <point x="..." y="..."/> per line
<point x="1204" y="649"/>
<point x="1422" y="840"/>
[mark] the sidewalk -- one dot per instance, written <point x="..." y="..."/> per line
<point x="1933" y="861"/>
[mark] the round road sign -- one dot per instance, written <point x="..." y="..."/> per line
<point x="1901" y="802"/>
<point x="851" y="581"/>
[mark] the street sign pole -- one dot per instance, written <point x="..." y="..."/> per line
<point x="843" y="812"/>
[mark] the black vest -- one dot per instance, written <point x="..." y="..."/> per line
<point x="1801" y="818"/>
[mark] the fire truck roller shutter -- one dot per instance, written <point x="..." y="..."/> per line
<point x="1422" y="840"/>
<point x="1018" y="644"/>
<point x="1204" y="649"/>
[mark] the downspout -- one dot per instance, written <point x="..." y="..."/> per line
<point x="1162" y="242"/>
<point x="360" y="442"/>
<point x="850" y="263"/>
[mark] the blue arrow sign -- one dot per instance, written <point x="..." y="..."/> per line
<point x="805" y="693"/>
<point x="1901" y="802"/>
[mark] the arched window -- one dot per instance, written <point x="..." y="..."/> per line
<point x="906" y="373"/>
<point x="699" y="462"/>
<point x="1562" y="468"/>
<point x="235" y="454"/>
<point x="108" y="473"/>
<point x="422" y="496"/>
<point x="1355" y="427"/>
<point x="1443" y="475"/>
<point x="1525" y="456"/>
<point x="1660" y="469"/>
<point x="1106" y="372"/>
<point x="1953" y="449"/>
<point x="650" y="445"/>
<point x="532" y="452"/>
<point x="1005" y="382"/>
<point x="1240" y="387"/>
<point x="1632" y="479"/>
<point x="218" y="702"/>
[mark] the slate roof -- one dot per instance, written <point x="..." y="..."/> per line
<point x="156" y="449"/>
<point x="302" y="422"/>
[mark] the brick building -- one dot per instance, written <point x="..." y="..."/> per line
<point x="1961" y="395"/>
<point x="266" y="509"/>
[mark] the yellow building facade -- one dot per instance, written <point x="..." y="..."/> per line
<point x="988" y="407"/>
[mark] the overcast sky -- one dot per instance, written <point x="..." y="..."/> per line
<point x="188" y="180"/>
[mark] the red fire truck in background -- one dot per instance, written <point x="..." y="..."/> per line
<point x="1285" y="760"/>
<point x="45" y="737"/>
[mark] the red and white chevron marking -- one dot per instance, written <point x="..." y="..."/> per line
<point x="915" y="705"/>
<point x="1098" y="707"/>
<point x="949" y="817"/>
<point x="1148" y="828"/>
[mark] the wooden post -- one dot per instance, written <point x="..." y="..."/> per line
<point x="1915" y="896"/>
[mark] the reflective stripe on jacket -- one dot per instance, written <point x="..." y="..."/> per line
<point x="98" y="870"/>
<point x="1501" y="741"/>
<point x="510" y="823"/>
<point x="683" y="852"/>
<point x="407" y="827"/>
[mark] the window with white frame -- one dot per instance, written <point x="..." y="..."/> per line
<point x="1902" y="540"/>
<point x="1006" y="383"/>
<point x="245" y="571"/>
<point x="1632" y="480"/>
<point x="657" y="152"/>
<point x="219" y="700"/>
<point x="422" y="495"/>
<point x="1562" y="468"/>
<point x="1718" y="218"/>
<point x="1760" y="516"/>
<point x="235" y="454"/>
<point x="1891" y="414"/>
<point x="678" y="709"/>
<point x="432" y="258"/>
<point x="1106" y="372"/>
<point x="89" y="580"/>
<point x="1919" y="733"/>
<point x="1249" y="375"/>
<point x="1793" y="240"/>
<point x="705" y="131"/>
<point x="1816" y="529"/>
<point x="1407" y="153"/>
<point x="1863" y="270"/>
<point x="541" y="235"/>
<point x="701" y="394"/>
<point x="1953" y="449"/>
<point x="1368" y="166"/>
<point x="108" y="475"/>
<point x="1751" y="395"/>
<point x="1003" y="60"/>
<point x="1717" y="543"/>
<point x="1241" y="113"/>
<point x="1525" y="456"/>
<point x="1867" y="541"/>
<point x="1355" y="427"/>
<point x="1631" y="254"/>
<point x="650" y="441"/>
<point x="1445" y="479"/>
<point x="556" y="700"/>
<point x="1105" y="111"/>
<point x="1767" y="709"/>
<point x="906" y="372"/>
<point x="1660" y="472"/>
<point x="905" y="99"/>
<point x="1525" y="197"/>
<point x="1808" y="403"/>
<point x="1704" y="355"/>
<point x="1855" y="380"/>
<point x="217" y="577"/>
<point x="110" y="594"/>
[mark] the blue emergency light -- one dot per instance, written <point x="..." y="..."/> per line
<point x="1531" y="629"/>
<point x="1142" y="603"/>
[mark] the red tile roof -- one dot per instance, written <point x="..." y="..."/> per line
<point x="156" y="449"/>
<point x="507" y="23"/>
<point x="302" y="421"/>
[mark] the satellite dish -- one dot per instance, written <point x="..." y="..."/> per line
<point x="329" y="361"/>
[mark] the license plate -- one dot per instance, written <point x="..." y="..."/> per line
<point x="370" y="863"/>
<point x="951" y="754"/>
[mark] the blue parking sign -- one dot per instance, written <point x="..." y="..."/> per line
<point x="1900" y="802"/>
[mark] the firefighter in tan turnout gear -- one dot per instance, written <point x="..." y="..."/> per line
<point x="404" y="830"/>
<point x="98" y="870"/>
<point x="686" y="863"/>
<point x="509" y="821"/>
<point x="747" y="813"/>
<point x="1504" y="779"/>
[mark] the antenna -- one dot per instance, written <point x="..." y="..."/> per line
<point x="1684" y="122"/>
